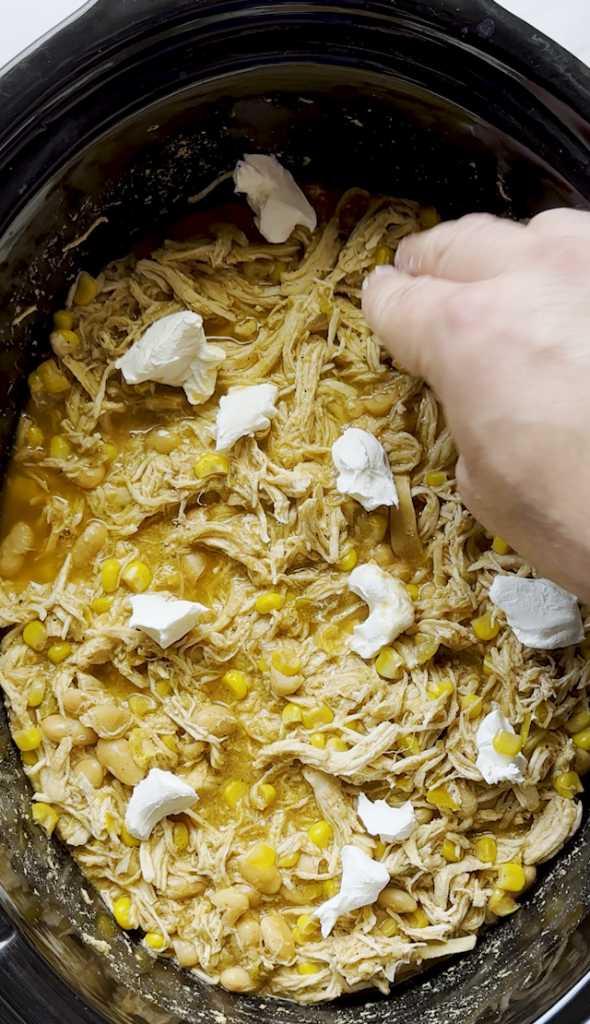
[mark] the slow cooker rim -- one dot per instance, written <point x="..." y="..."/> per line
<point x="481" y="42"/>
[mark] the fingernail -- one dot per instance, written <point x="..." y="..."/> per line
<point x="384" y="268"/>
<point x="365" y="282"/>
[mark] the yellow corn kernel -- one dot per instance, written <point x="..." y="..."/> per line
<point x="484" y="628"/>
<point x="329" y="888"/>
<point x="141" y="705"/>
<point x="318" y="740"/>
<point x="390" y="664"/>
<point x="348" y="561"/>
<point x="155" y="940"/>
<point x="63" y="320"/>
<point x="436" y="478"/>
<point x="110" y="451"/>
<point x="60" y="448"/>
<point x="34" y="634"/>
<point x="59" y="652"/>
<point x="268" y="602"/>
<point x="488" y="666"/>
<point x="307" y="967"/>
<point x="500" y="546"/>
<point x="439" y="796"/>
<point x="413" y="590"/>
<point x="109" y="575"/>
<point x="163" y="689"/>
<point x="180" y="836"/>
<point x="380" y="849"/>
<point x="277" y="272"/>
<point x="501" y="903"/>
<point x="236" y="683"/>
<point x="486" y="849"/>
<point x="29" y="758"/>
<point x="234" y="792"/>
<point x="48" y="377"/>
<point x="122" y="912"/>
<point x="425" y="647"/>
<point x="298" y="938"/>
<point x="27" y="739"/>
<point x="137" y="576"/>
<point x="320" y="715"/>
<point x="291" y="714"/>
<point x="383" y="255"/>
<point x="308" y="925"/>
<point x="262" y="856"/>
<point x="35" y="436"/>
<point x="507" y="743"/>
<point x="321" y="833"/>
<point x="211" y="464"/>
<point x="428" y="217"/>
<point x="86" y="289"/>
<point x="417" y="918"/>
<point x="451" y="851"/>
<point x="471" y="704"/>
<point x="373" y="527"/>
<point x="100" y="605"/>
<point x="444" y="687"/>
<point x="511" y="877"/>
<point x="169" y="740"/>
<point x="525" y="727"/>
<point x="408" y="745"/>
<point x="36" y="693"/>
<point x="290" y="860"/>
<point x="263" y="665"/>
<point x="110" y="823"/>
<point x="568" y="784"/>
<point x="46" y="816"/>
<point x="335" y="743"/>
<point x="284" y="663"/>
<point x="127" y="839"/>
<point x="582" y="739"/>
<point x="388" y="928"/>
<point x="264" y="794"/>
<point x="70" y="337"/>
<point x="577" y="723"/>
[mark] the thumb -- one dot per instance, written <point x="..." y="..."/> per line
<point x="406" y="313"/>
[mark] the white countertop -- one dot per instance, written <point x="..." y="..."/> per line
<point x="23" y="21"/>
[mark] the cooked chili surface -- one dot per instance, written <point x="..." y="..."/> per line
<point x="262" y="707"/>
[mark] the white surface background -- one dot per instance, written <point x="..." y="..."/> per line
<point x="23" y="21"/>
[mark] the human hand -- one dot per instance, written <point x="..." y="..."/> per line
<point x="496" y="317"/>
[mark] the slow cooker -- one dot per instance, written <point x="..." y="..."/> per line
<point x="108" y="129"/>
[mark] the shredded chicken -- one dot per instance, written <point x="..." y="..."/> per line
<point x="102" y="451"/>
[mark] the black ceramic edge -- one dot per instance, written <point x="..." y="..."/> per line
<point x="81" y="48"/>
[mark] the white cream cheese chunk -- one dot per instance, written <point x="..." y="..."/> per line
<point x="391" y="609"/>
<point x="539" y="613"/>
<point x="493" y="766"/>
<point x="363" y="470"/>
<point x="391" y="824"/>
<point x="175" y="351"/>
<point x="274" y="196"/>
<point x="166" y="620"/>
<point x="243" y="411"/>
<point x="160" y="794"/>
<point x="362" y="881"/>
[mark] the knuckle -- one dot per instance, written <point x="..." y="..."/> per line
<point x="467" y="309"/>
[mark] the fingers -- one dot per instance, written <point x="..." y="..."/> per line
<point x="474" y="248"/>
<point x="405" y="313"/>
<point x="561" y="223"/>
